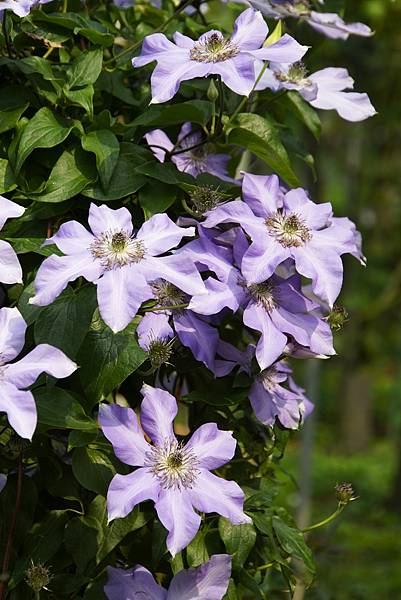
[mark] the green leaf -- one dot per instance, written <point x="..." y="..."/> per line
<point x="197" y="552"/>
<point x="7" y="177"/>
<point x="156" y="197"/>
<point x="14" y="100"/>
<point x="79" y="24"/>
<point x="25" y="245"/>
<point x="164" y="172"/>
<point x="57" y="408"/>
<point x="85" y="69"/>
<point x="260" y="136"/>
<point x="82" y="538"/>
<point x="79" y="438"/>
<point x="82" y="97"/>
<point x="107" y="358"/>
<point x="66" y="321"/>
<point x="125" y="179"/>
<point x="44" y="130"/>
<point x="73" y="171"/>
<point x="231" y="592"/>
<point x="293" y="543"/>
<point x="93" y="468"/>
<point x="305" y="112"/>
<point x="195" y="111"/>
<point x="238" y="540"/>
<point x="105" y="146"/>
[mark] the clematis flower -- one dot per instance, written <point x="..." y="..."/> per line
<point x="207" y="582"/>
<point x="323" y="89"/>
<point x="10" y="269"/>
<point x="155" y="337"/>
<point x="175" y="476"/>
<point x="119" y="261"/>
<point x="17" y="402"/>
<point x="191" y="157"/>
<point x="21" y="8"/>
<point x="232" y="59"/>
<point x="329" y="24"/>
<point x="289" y="225"/>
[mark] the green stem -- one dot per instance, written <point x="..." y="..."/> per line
<point x="172" y="307"/>
<point x="6" y="34"/>
<point x="335" y="514"/>
<point x="65" y="6"/>
<point x="246" y="98"/>
<point x="48" y="52"/>
<point x="37" y="595"/>
<point x="159" y="30"/>
<point x="266" y="566"/>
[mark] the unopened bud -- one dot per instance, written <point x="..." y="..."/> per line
<point x="337" y="317"/>
<point x="159" y="352"/>
<point x="205" y="198"/>
<point x="345" y="493"/>
<point x="37" y="577"/>
<point x="212" y="92"/>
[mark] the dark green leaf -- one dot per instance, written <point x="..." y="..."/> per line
<point x="195" y="111"/>
<point x="105" y="146"/>
<point x="85" y="69"/>
<point x="306" y="113"/>
<point x="7" y="177"/>
<point x="14" y="100"/>
<point x="293" y="543"/>
<point x="238" y="540"/>
<point x="58" y="409"/>
<point x="156" y="197"/>
<point x="93" y="468"/>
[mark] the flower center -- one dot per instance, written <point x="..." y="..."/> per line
<point x="296" y="74"/>
<point x="117" y="249"/>
<point x="174" y="465"/>
<point x="263" y="294"/>
<point x="266" y="377"/>
<point x="289" y="230"/>
<point x="167" y="294"/>
<point x="212" y="49"/>
<point x="160" y="351"/>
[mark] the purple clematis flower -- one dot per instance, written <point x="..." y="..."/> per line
<point x="176" y="477"/>
<point x="119" y="261"/>
<point x="10" y="269"/>
<point x="192" y="157"/>
<point x="289" y="225"/>
<point x="232" y="59"/>
<point x="17" y="402"/>
<point x="21" y="8"/>
<point x="207" y="582"/>
<point x="323" y="89"/>
<point x="329" y="24"/>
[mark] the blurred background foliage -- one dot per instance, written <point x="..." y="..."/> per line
<point x="355" y="434"/>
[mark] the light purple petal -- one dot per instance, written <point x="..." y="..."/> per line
<point x="120" y="426"/>
<point x="177" y="270"/>
<point x="351" y="106"/>
<point x="56" y="271"/>
<point x="333" y="78"/>
<point x="156" y="140"/>
<point x="132" y="584"/>
<point x="12" y="334"/>
<point x="214" y="494"/>
<point x="316" y="216"/>
<point x="262" y="257"/>
<point x="20" y="408"/>
<point x="200" y="337"/>
<point x="169" y="73"/>
<point x="9" y="209"/>
<point x="159" y="234"/>
<point x="120" y="293"/>
<point x="236" y="211"/>
<point x="126" y="491"/>
<point x="153" y="326"/>
<point x="207" y="582"/>
<point x="275" y="403"/>
<point x="212" y="446"/>
<point x="10" y="269"/>
<point x="333" y="26"/>
<point x="102" y="218"/>
<point x="237" y="73"/>
<point x="220" y="295"/>
<point x="183" y="41"/>
<point x="285" y="50"/>
<point x="42" y="359"/>
<point x="176" y="513"/>
<point x="71" y="238"/>
<point x="158" y="411"/>
<point x="250" y="30"/>
<point x="262" y="194"/>
<point x="307" y="329"/>
<point x="272" y="341"/>
<point x="155" y="47"/>
<point x="323" y="266"/>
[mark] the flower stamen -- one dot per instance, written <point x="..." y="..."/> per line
<point x="117" y="249"/>
<point x="175" y="466"/>
<point x="289" y="230"/>
<point x="212" y="49"/>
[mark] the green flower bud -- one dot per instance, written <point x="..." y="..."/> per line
<point x="345" y="493"/>
<point x="205" y="198"/>
<point x="37" y="577"/>
<point x="337" y="317"/>
<point x="212" y="92"/>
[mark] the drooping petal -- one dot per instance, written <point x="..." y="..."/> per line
<point x="176" y="513"/>
<point x="351" y="106"/>
<point x="171" y="71"/>
<point x="9" y="209"/>
<point x="56" y="271"/>
<point x="214" y="494"/>
<point x="20" y="408"/>
<point x="307" y="329"/>
<point x="323" y="266"/>
<point x="220" y="295"/>
<point x="158" y="411"/>
<point x="333" y="26"/>
<point x="176" y="269"/>
<point x="212" y="446"/>
<point x="285" y="50"/>
<point x="153" y="326"/>
<point x="275" y="403"/>
<point x="134" y="583"/>
<point x="207" y="582"/>
<point x="12" y="333"/>
<point x="159" y="234"/>
<point x="272" y="341"/>
<point x="250" y="30"/>
<point x="236" y="211"/>
<point x="157" y="140"/>
<point x="120" y="293"/>
<point x="102" y="218"/>
<point x="262" y="194"/>
<point x="332" y="78"/>
<point x="120" y="426"/>
<point x="42" y="359"/>
<point x="197" y="335"/>
<point x="71" y="238"/>
<point x="126" y="491"/>
<point x="10" y="269"/>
